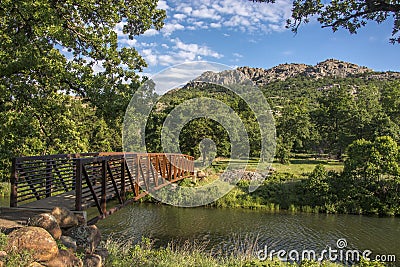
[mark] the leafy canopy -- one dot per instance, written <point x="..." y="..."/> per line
<point x="65" y="77"/>
<point x="348" y="14"/>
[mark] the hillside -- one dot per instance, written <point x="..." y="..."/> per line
<point x="328" y="68"/>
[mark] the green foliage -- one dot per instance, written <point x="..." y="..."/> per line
<point x="125" y="253"/>
<point x="350" y="15"/>
<point x="65" y="82"/>
<point x="373" y="160"/>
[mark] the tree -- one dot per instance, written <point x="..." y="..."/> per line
<point x="373" y="160"/>
<point x="347" y="14"/>
<point x="335" y="118"/>
<point x="61" y="57"/>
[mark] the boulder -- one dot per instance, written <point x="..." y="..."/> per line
<point x="47" y="222"/>
<point x="3" y="254"/>
<point x="69" y="242"/>
<point x="103" y="253"/>
<point x="65" y="218"/>
<point x="36" y="264"/>
<point x="7" y="226"/>
<point x="87" y="237"/>
<point x="35" y="239"/>
<point x="65" y="258"/>
<point x="92" y="261"/>
<point x="201" y="174"/>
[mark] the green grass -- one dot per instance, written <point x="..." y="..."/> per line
<point x="5" y="188"/>
<point x="191" y="253"/>
<point x="298" y="166"/>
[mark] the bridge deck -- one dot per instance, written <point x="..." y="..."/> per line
<point x="66" y="200"/>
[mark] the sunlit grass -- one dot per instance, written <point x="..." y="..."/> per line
<point x="298" y="166"/>
<point x="192" y="253"/>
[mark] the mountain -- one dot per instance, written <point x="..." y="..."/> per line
<point x="327" y="68"/>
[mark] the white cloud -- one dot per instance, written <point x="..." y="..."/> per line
<point x="128" y="42"/>
<point x="179" y="52"/>
<point x="168" y="29"/>
<point x="187" y="10"/>
<point x="196" y="49"/>
<point x="150" y="56"/>
<point x="206" y="13"/>
<point x="215" y="25"/>
<point x="244" y="16"/>
<point x="179" y="16"/>
<point x="162" y="5"/>
<point x="237" y="55"/>
<point x="151" y="32"/>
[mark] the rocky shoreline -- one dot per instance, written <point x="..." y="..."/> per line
<point x="59" y="238"/>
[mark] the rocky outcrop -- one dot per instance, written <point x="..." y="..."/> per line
<point x="327" y="68"/>
<point x="226" y="77"/>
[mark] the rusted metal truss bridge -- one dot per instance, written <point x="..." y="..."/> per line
<point x="80" y="181"/>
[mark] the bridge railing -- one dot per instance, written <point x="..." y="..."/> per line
<point x="94" y="178"/>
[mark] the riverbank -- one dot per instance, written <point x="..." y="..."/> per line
<point x="319" y="191"/>
<point x="193" y="254"/>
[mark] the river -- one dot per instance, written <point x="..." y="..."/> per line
<point x="221" y="228"/>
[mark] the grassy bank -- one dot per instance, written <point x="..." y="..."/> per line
<point x="126" y="254"/>
<point x="318" y="192"/>
<point x="307" y="185"/>
<point x="193" y="254"/>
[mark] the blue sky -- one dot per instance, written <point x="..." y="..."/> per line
<point x="243" y="33"/>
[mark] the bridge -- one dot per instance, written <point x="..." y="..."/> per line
<point x="80" y="181"/>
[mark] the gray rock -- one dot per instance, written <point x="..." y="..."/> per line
<point x="69" y="242"/>
<point x="92" y="261"/>
<point x="87" y="237"/>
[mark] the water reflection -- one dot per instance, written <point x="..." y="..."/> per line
<point x="218" y="227"/>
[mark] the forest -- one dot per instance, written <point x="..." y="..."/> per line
<point x="352" y="120"/>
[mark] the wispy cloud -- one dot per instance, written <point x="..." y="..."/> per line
<point x="245" y="16"/>
<point x="151" y="32"/>
<point x="178" y="52"/>
<point x="169" y="28"/>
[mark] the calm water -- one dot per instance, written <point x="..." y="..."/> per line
<point x="221" y="227"/>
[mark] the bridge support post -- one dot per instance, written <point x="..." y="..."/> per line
<point x="103" y="186"/>
<point x="123" y="186"/>
<point x="14" y="180"/>
<point x="78" y="184"/>
<point x="49" y="178"/>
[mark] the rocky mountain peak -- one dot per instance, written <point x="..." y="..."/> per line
<point x="327" y="68"/>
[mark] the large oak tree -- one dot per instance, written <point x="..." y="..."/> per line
<point x="65" y="77"/>
<point x="348" y="14"/>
